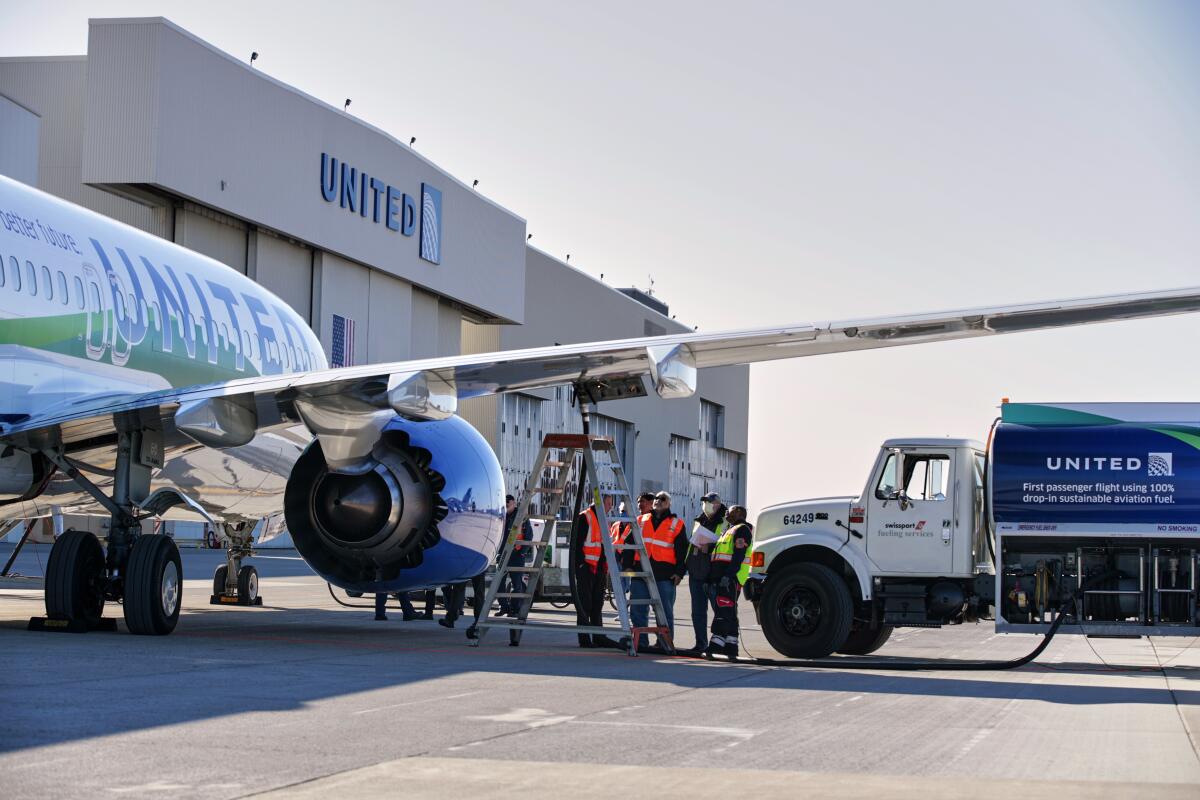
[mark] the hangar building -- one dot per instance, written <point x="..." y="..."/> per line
<point x="388" y="256"/>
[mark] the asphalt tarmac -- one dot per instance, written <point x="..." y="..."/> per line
<point x="302" y="697"/>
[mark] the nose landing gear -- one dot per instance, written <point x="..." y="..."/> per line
<point x="233" y="582"/>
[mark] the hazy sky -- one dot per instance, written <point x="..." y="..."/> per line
<point x="792" y="162"/>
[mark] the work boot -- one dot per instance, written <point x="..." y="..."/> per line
<point x="730" y="651"/>
<point x="446" y="622"/>
<point x="472" y="632"/>
<point x="427" y="615"/>
<point x="409" y="616"/>
<point x="716" y="646"/>
<point x="585" y="641"/>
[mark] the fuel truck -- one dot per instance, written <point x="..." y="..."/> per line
<point x="1091" y="510"/>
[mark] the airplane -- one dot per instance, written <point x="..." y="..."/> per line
<point x="142" y="380"/>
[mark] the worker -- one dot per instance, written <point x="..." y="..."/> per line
<point x="591" y="572"/>
<point x="620" y="531"/>
<point x="729" y="568"/>
<point x="666" y="544"/>
<point x="511" y="606"/>
<point x="706" y="529"/>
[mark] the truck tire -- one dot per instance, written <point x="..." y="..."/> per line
<point x="866" y="640"/>
<point x="806" y="611"/>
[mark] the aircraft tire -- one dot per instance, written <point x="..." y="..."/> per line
<point x="153" y="586"/>
<point x="247" y="585"/>
<point x="219" y="580"/>
<point x="75" y="579"/>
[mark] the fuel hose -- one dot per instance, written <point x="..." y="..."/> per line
<point x="922" y="665"/>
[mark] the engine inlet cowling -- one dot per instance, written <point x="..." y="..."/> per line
<point x="367" y="527"/>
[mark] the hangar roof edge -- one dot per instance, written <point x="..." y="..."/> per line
<point x="288" y="87"/>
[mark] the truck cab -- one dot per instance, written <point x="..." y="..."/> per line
<point x="837" y="574"/>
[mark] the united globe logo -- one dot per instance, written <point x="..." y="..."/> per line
<point x="1160" y="465"/>
<point x="431" y="224"/>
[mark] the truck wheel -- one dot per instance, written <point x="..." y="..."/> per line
<point x="806" y="611"/>
<point x="866" y="640"/>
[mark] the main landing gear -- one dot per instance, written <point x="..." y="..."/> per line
<point x="233" y="582"/>
<point x="143" y="572"/>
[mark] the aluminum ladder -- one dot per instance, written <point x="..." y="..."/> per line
<point x="568" y="446"/>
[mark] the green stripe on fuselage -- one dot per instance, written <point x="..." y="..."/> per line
<point x="64" y="334"/>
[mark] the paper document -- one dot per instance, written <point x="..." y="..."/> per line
<point x="702" y="536"/>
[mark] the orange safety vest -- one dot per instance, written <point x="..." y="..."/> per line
<point x="660" y="543"/>
<point x="593" y="550"/>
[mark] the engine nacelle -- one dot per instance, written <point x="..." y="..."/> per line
<point x="428" y="512"/>
<point x="22" y="476"/>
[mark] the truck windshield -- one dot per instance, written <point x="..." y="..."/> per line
<point x="886" y="487"/>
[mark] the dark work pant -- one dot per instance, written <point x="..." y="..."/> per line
<point x="516" y="585"/>
<point x="702" y="601"/>
<point x="590" y="610"/>
<point x="430" y="601"/>
<point x="725" y="618"/>
<point x="380" y="604"/>
<point x="405" y="604"/>
<point x="459" y="600"/>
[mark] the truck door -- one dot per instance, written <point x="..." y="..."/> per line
<point x="910" y="519"/>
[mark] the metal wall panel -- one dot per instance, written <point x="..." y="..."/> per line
<point x="482" y="412"/>
<point x="213" y="234"/>
<point x="390" y="318"/>
<point x="18" y="142"/>
<point x="343" y="288"/>
<point x="285" y="268"/>
<point x="55" y="88"/>
<point x="423" y="332"/>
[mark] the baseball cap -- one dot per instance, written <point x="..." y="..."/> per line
<point x="711" y="497"/>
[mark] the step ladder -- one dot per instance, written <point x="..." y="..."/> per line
<point x="561" y="451"/>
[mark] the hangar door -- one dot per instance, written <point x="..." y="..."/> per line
<point x="285" y="268"/>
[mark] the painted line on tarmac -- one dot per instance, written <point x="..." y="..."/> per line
<point x="736" y="733"/>
<point x="415" y="703"/>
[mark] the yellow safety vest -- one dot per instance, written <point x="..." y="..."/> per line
<point x="723" y="552"/>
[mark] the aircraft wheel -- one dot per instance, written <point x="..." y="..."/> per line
<point x="153" y="586"/>
<point x="219" y="580"/>
<point x="75" y="579"/>
<point x="247" y="585"/>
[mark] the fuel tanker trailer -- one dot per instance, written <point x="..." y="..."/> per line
<point x="1090" y="510"/>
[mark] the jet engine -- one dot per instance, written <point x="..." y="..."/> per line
<point x="22" y="476"/>
<point x="429" y="510"/>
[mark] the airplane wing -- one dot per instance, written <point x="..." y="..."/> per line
<point x="332" y="402"/>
